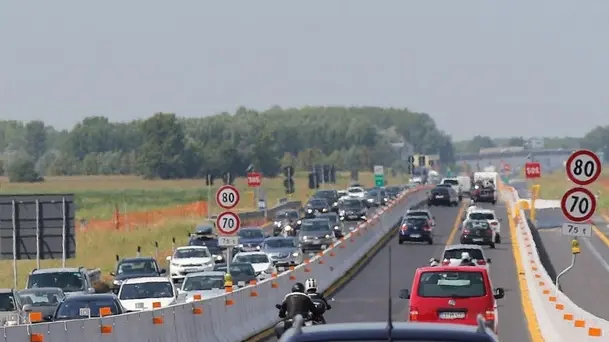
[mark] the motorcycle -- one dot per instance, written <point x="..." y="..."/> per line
<point x="287" y="323"/>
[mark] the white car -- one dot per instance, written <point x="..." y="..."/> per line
<point x="453" y="255"/>
<point x="207" y="284"/>
<point x="489" y="215"/>
<point x="342" y="194"/>
<point x="189" y="259"/>
<point x="140" y="294"/>
<point x="454" y="183"/>
<point x="356" y="191"/>
<point x="260" y="262"/>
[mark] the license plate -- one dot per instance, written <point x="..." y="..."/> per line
<point x="324" y="246"/>
<point x="352" y="216"/>
<point x="84" y="312"/>
<point x="440" y="196"/>
<point x="316" y="242"/>
<point x="139" y="305"/>
<point x="415" y="235"/>
<point x="191" y="270"/>
<point x="452" y="315"/>
<point x="477" y="240"/>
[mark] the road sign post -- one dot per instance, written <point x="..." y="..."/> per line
<point x="228" y="223"/>
<point x="227" y="197"/>
<point x="379" y="175"/>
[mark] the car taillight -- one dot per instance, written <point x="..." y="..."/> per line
<point x="494" y="223"/>
<point x="404" y="227"/>
<point x="413" y="314"/>
<point x="481" y="262"/>
<point x="489" y="315"/>
<point x="465" y="231"/>
<point x="427" y="228"/>
<point x="445" y="263"/>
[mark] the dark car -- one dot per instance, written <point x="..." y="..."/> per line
<point x="393" y="191"/>
<point x="316" y="206"/>
<point x="315" y="234"/>
<point x="335" y="222"/>
<point x="484" y="194"/>
<point x="329" y="195"/>
<point x="241" y="272"/>
<point x="250" y="238"/>
<point x="81" y="306"/>
<point x="376" y="197"/>
<point x="211" y="242"/>
<point x="415" y="228"/>
<point x="284" y="218"/>
<point x="44" y="300"/>
<point x="478" y="232"/>
<point x="204" y="229"/>
<point x="352" y="209"/>
<point x="129" y="268"/>
<point x="442" y="195"/>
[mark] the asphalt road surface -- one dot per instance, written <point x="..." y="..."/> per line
<point x="587" y="282"/>
<point x="365" y="297"/>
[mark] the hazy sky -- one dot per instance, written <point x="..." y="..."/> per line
<point x="527" y="67"/>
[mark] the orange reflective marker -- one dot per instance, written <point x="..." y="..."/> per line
<point x="35" y="317"/>
<point x="105" y="329"/>
<point x="197" y="297"/>
<point x="105" y="311"/>
<point x="156" y="305"/>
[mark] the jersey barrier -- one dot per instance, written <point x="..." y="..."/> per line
<point x="558" y="318"/>
<point x="233" y="316"/>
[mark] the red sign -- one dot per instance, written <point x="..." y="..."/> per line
<point x="228" y="223"/>
<point x="254" y="179"/>
<point x="578" y="204"/>
<point x="583" y="167"/>
<point x="532" y="170"/>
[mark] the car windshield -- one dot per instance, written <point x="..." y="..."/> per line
<point x="251" y="233"/>
<point x="457" y="252"/>
<point x="7" y="302"/>
<point x="332" y="218"/>
<point x="203" y="283"/>
<point x="451" y="284"/>
<point x="352" y="204"/>
<point x="237" y="270"/>
<point x="67" y="281"/>
<point x="393" y="190"/>
<point x="440" y="191"/>
<point x="153" y="289"/>
<point x="290" y="215"/>
<point x="185" y="253"/>
<point x="48" y="297"/>
<point x="137" y="267"/>
<point x="324" y="194"/>
<point x="280" y="243"/>
<point x="252" y="258"/>
<point x="481" y="216"/>
<point x="373" y="193"/>
<point x="473" y="225"/>
<point x="75" y="309"/>
<point x="356" y="190"/>
<point x="318" y="202"/>
<point x="314" y="226"/>
<point x="450" y="181"/>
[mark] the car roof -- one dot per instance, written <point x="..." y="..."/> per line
<point x="326" y="215"/>
<point x="250" y="253"/>
<point x="205" y="273"/>
<point x="316" y="219"/>
<point x="55" y="289"/>
<point x="463" y="246"/>
<point x="482" y="210"/>
<point x="190" y="247"/>
<point x="85" y="296"/>
<point x="57" y="270"/>
<point x="271" y="238"/>
<point x="146" y="280"/>
<point x="450" y="269"/>
<point x="138" y="259"/>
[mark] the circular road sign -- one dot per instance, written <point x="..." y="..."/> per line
<point x="228" y="223"/>
<point x="583" y="167"/>
<point x="578" y="204"/>
<point x="227" y="197"/>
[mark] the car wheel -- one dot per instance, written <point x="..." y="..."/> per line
<point x="430" y="241"/>
<point x="492" y="245"/>
<point x="400" y="242"/>
<point x="497" y="238"/>
<point x="494" y="202"/>
<point x="460" y="198"/>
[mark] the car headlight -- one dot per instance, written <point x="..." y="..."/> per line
<point x="258" y="247"/>
<point x="342" y="212"/>
<point x="336" y="227"/>
<point x="287" y="228"/>
<point x="219" y="257"/>
<point x="309" y="210"/>
<point x="240" y="245"/>
<point x="299" y="222"/>
<point x="117" y="282"/>
<point x="327" y="236"/>
<point x="295" y="254"/>
<point x="370" y="200"/>
<point x="334" y="204"/>
<point x="304" y="238"/>
<point x="324" y="209"/>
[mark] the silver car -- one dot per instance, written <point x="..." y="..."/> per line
<point x="283" y="251"/>
<point x="11" y="308"/>
<point x="207" y="284"/>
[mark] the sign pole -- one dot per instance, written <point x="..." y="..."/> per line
<point x="37" y="234"/>
<point x="209" y="196"/>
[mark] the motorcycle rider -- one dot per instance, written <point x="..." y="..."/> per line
<point x="466" y="260"/>
<point x="433" y="262"/>
<point x="297" y="303"/>
<point x="311" y="290"/>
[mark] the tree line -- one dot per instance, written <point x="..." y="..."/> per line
<point x="166" y="146"/>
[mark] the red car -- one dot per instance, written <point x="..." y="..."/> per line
<point x="453" y="294"/>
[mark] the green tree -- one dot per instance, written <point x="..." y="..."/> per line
<point x="162" y="146"/>
<point x="22" y="168"/>
<point x="35" y="139"/>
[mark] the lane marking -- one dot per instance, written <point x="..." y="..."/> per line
<point x="594" y="251"/>
<point x="600" y="234"/>
<point x="455" y="229"/>
<point x="527" y="306"/>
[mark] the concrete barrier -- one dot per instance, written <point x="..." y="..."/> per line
<point x="234" y="316"/>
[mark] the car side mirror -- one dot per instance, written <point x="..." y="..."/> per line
<point x="278" y="306"/>
<point x="404" y="294"/>
<point x="488" y="260"/>
<point x="499" y="293"/>
<point x="168" y="258"/>
<point x="113" y="274"/>
<point x="163" y="271"/>
<point x="27" y="308"/>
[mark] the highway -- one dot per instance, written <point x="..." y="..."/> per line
<point x="365" y="297"/>
<point x="588" y="280"/>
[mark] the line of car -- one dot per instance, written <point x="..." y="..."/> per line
<point x="198" y="268"/>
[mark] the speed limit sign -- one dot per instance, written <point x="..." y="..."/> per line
<point x="578" y="204"/>
<point x="227" y="197"/>
<point x="583" y="167"/>
<point x="228" y="223"/>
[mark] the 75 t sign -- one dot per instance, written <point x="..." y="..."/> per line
<point x="577" y="229"/>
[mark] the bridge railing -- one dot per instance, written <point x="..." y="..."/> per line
<point x="558" y="318"/>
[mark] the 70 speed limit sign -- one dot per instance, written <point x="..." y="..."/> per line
<point x="228" y="223"/>
<point x="578" y="205"/>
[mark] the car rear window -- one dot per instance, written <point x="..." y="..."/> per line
<point x="451" y="181"/>
<point x="481" y="216"/>
<point x="456" y="253"/>
<point x="453" y="284"/>
<point x="418" y="213"/>
<point x="439" y="191"/>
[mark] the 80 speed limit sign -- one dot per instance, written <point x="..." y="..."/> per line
<point x="227" y="197"/>
<point x="583" y="167"/>
<point x="578" y="204"/>
<point x="228" y="223"/>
